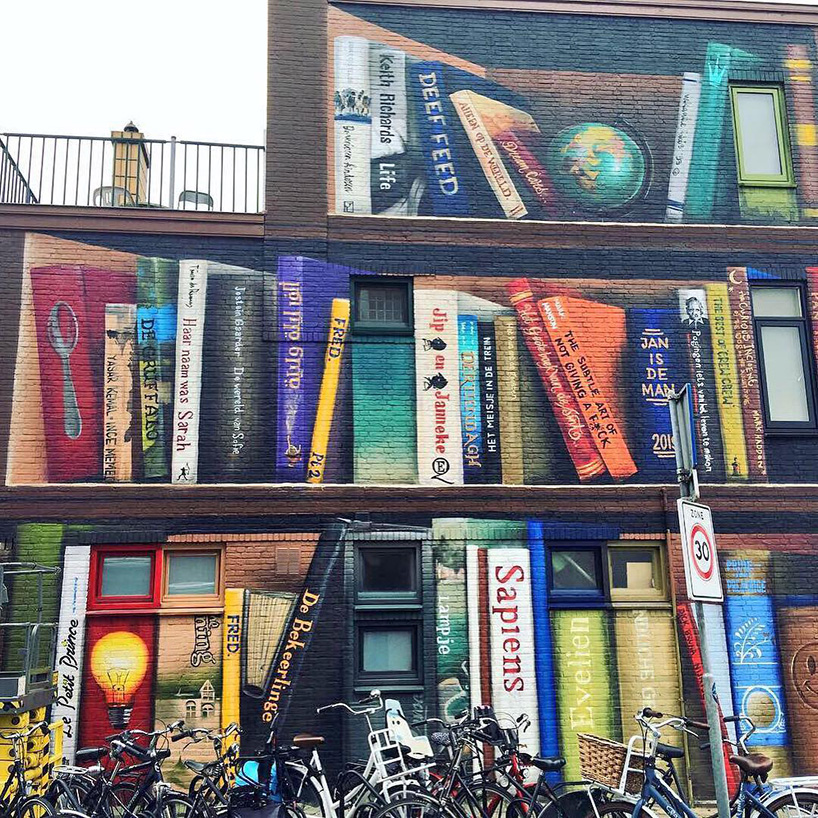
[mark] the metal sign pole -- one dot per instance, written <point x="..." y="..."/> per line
<point x="684" y="444"/>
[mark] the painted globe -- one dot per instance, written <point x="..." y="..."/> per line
<point x="596" y="166"/>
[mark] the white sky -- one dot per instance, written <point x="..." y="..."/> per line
<point x="194" y="69"/>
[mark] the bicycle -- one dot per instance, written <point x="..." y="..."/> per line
<point x="127" y="790"/>
<point x="752" y="799"/>
<point x="16" y="800"/>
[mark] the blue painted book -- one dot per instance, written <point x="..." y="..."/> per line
<point x="470" y="409"/>
<point x="489" y="402"/>
<point x="658" y="366"/>
<point x="442" y="153"/>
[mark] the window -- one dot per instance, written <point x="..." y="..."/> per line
<point x="761" y="135"/>
<point x="387" y="652"/>
<point x="121" y="577"/>
<point x="784" y="357"/>
<point x="576" y="571"/>
<point x="636" y="572"/>
<point x="388" y="573"/>
<point x="191" y="577"/>
<point x="388" y="611"/>
<point x="382" y="305"/>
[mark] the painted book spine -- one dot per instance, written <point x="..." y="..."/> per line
<point x="436" y="121"/>
<point x="234" y="378"/>
<point x="812" y="305"/>
<point x="451" y="617"/>
<point x="741" y="313"/>
<point x="71" y="406"/>
<point x="439" y="441"/>
<point x="577" y="363"/>
<point x="232" y="638"/>
<point x="490" y="159"/>
<point x="755" y="658"/>
<point x="291" y="429"/>
<point x="658" y="369"/>
<point x="486" y="689"/>
<point x="543" y="643"/>
<point x="513" y="657"/>
<point x="353" y="126"/>
<point x="118" y="414"/>
<point x="586" y="683"/>
<point x="188" y="390"/>
<point x="523" y="163"/>
<point x="800" y="89"/>
<point x="728" y="394"/>
<point x="325" y="411"/>
<point x="473" y="607"/>
<point x="155" y="345"/>
<point x="508" y="383"/>
<point x="584" y="454"/>
<point x="689" y="632"/>
<point x="709" y="134"/>
<point x="683" y="146"/>
<point x="71" y="643"/>
<point x="797" y="627"/>
<point x="695" y="328"/>
<point x="470" y="407"/>
<point x="387" y="77"/>
<point x="490" y="407"/>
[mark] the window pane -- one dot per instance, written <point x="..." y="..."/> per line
<point x="192" y="574"/>
<point x="758" y="134"/>
<point x="574" y="570"/>
<point x="382" y="303"/>
<point x="126" y="576"/>
<point x="784" y="373"/>
<point x="634" y="569"/>
<point x="388" y="651"/>
<point x="388" y="570"/>
<point x="776" y="302"/>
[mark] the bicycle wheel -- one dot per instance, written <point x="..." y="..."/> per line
<point x="618" y="809"/>
<point x="68" y="793"/>
<point x="173" y="806"/>
<point x="482" y="799"/>
<point x="33" y="807"/>
<point x="794" y="805"/>
<point x="417" y="806"/>
<point x="301" y="792"/>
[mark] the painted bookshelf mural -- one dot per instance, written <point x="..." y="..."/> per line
<point x="507" y="631"/>
<point x="145" y="369"/>
<point x="427" y="122"/>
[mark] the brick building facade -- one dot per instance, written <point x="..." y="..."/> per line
<point x="390" y="435"/>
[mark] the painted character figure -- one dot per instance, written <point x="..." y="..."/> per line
<point x="437" y="344"/>
<point x="695" y="311"/>
<point x="435" y="382"/>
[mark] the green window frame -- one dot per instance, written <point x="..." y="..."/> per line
<point x="786" y="177"/>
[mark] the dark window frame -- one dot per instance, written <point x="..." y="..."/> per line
<point x="374" y="327"/>
<point x="387" y="598"/>
<point x="386" y="678"/>
<point x="802" y="324"/>
<point x="571" y="597"/>
<point x="96" y="599"/>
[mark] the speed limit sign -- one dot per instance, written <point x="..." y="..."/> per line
<point x="699" y="548"/>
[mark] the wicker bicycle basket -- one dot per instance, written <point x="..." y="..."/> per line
<point x="602" y="760"/>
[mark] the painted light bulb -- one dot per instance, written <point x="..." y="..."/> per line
<point x="119" y="661"/>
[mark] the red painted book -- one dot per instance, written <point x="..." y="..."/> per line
<point x="526" y="168"/>
<point x="741" y="311"/>
<point x="586" y="458"/>
<point x="71" y="404"/>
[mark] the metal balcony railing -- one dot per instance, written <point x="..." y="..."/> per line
<point x="94" y="171"/>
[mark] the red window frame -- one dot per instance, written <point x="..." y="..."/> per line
<point x="96" y="601"/>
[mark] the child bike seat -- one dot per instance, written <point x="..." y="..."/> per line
<point x="754" y="764"/>
<point x="305" y="741"/>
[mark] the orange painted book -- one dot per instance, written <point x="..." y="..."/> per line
<point x="570" y="323"/>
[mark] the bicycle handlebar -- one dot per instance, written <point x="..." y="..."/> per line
<point x="40" y="725"/>
<point x="360" y="708"/>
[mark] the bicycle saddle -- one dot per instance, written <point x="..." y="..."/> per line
<point x="196" y="766"/>
<point x="305" y="741"/>
<point x="668" y="751"/>
<point x="90" y="754"/>
<point x="753" y="764"/>
<point x="547" y="765"/>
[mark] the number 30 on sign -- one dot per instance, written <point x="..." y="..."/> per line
<point x="699" y="548"/>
